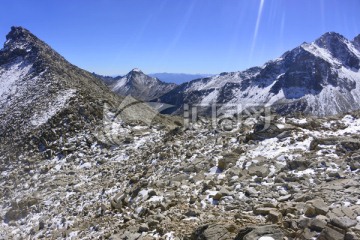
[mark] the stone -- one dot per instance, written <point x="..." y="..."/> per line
<point x="224" y="192"/>
<point x="227" y="160"/>
<point x="298" y="165"/>
<point x="317" y="225"/>
<point x="192" y="213"/>
<point x="264" y="232"/>
<point x="320" y="206"/>
<point x="337" y="212"/>
<point x="343" y="222"/>
<point x="274" y="217"/>
<point x="263" y="210"/>
<point x="351" y="236"/>
<point x="348" y="145"/>
<point x="117" y="202"/>
<point x="211" y="232"/>
<point x="251" y="192"/>
<point x="354" y="165"/>
<point x="348" y="212"/>
<point x="260" y="171"/>
<point x="331" y="234"/>
<point x="143" y="228"/>
<point x="285" y="198"/>
<point x="309" y="211"/>
<point x="217" y="196"/>
<point x="14" y="215"/>
<point x="308" y="234"/>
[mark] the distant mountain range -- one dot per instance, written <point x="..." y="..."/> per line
<point x="146" y="87"/>
<point x="178" y="78"/>
<point x="319" y="78"/>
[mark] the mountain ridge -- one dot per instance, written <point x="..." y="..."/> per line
<point x="323" y="76"/>
<point x="45" y="98"/>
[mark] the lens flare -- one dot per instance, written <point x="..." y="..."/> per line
<point x="258" y="20"/>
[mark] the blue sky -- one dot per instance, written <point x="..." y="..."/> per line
<point x="189" y="36"/>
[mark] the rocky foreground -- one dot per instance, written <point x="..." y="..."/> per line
<point x="298" y="179"/>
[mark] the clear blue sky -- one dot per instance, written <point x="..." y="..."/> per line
<point x="189" y="36"/>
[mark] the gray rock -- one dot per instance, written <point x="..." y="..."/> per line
<point x="211" y="232"/>
<point x="263" y="210"/>
<point x="251" y="192"/>
<point x="274" y="217"/>
<point x="285" y="198"/>
<point x="317" y="225"/>
<point x="331" y="234"/>
<point x="227" y="160"/>
<point x="351" y="236"/>
<point x="260" y="171"/>
<point x="320" y="206"/>
<point x="251" y="233"/>
<point x="192" y="213"/>
<point x="143" y="228"/>
<point x="309" y="211"/>
<point x="343" y="222"/>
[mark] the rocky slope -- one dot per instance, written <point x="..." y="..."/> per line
<point x="45" y="98"/>
<point x="140" y="86"/>
<point x="42" y="95"/>
<point x="297" y="179"/>
<point x="320" y="78"/>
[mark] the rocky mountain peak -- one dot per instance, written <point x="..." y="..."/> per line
<point x="18" y="32"/>
<point x="329" y="37"/>
<point x="141" y="86"/>
<point x="21" y="38"/>
<point x="340" y="48"/>
<point x="20" y="42"/>
<point x="136" y="70"/>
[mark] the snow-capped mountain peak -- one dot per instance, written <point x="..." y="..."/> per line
<point x="320" y="78"/>
<point x="136" y="70"/>
<point x="140" y="85"/>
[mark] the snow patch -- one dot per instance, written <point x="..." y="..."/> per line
<point x="11" y="74"/>
<point x="59" y="103"/>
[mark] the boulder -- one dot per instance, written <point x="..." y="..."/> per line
<point x="227" y="160"/>
<point x="274" y="217"/>
<point x="317" y="225"/>
<point x="260" y="171"/>
<point x="211" y="232"/>
<point x="264" y="232"/>
<point x="343" y="222"/>
<point x="331" y="234"/>
<point x="320" y="206"/>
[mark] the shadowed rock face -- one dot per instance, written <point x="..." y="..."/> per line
<point x="323" y="76"/>
<point x="356" y="42"/>
<point x="338" y="46"/>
